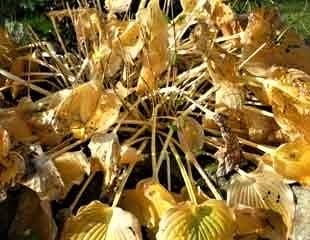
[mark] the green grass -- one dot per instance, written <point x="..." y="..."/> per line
<point x="295" y="12"/>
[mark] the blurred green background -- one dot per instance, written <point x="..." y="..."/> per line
<point x="16" y="15"/>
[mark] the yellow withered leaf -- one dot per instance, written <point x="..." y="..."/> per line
<point x="190" y="134"/>
<point x="98" y="221"/>
<point x="88" y="109"/>
<point x="72" y="166"/>
<point x="12" y="168"/>
<point x="118" y="5"/>
<point x="291" y="81"/>
<point x="105" y="152"/>
<point x="81" y="104"/>
<point x="106" y="112"/>
<point x="7" y="48"/>
<point x="211" y="220"/>
<point x="291" y="160"/>
<point x="129" y="155"/>
<point x="229" y="96"/>
<point x="188" y="5"/>
<point x="148" y="201"/>
<point x="33" y="216"/>
<point x="291" y="115"/>
<point x="16" y="125"/>
<point x="255" y="223"/>
<point x="155" y="56"/>
<point x="4" y="143"/>
<point x="279" y="45"/>
<point x="46" y="180"/>
<point x="263" y="188"/>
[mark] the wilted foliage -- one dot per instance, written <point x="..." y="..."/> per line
<point x="145" y="104"/>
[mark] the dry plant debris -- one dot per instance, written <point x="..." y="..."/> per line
<point x="148" y="101"/>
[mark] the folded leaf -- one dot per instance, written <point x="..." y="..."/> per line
<point x="210" y="220"/>
<point x="98" y="221"/>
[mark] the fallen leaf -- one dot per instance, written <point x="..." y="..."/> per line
<point x="105" y="151"/>
<point x="148" y="201"/>
<point x="209" y="220"/>
<point x="291" y="160"/>
<point x="258" y="223"/>
<point x="155" y="57"/>
<point x="190" y="134"/>
<point x="263" y="188"/>
<point x="72" y="166"/>
<point x="44" y="178"/>
<point x="99" y="221"/>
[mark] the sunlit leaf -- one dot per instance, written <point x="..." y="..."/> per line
<point x="263" y="188"/>
<point x="12" y="169"/>
<point x="44" y="179"/>
<point x="155" y="57"/>
<point x="4" y="143"/>
<point x="282" y="45"/>
<point x="118" y="5"/>
<point x="129" y="155"/>
<point x="72" y="166"/>
<point x="290" y="114"/>
<point x="98" y="221"/>
<point x="255" y="223"/>
<point x="209" y="220"/>
<point x="291" y="160"/>
<point x="105" y="151"/>
<point x="191" y="134"/>
<point x="148" y="201"/>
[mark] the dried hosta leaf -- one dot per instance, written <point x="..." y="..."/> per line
<point x="18" y="67"/>
<point x="292" y="116"/>
<point x="148" y="201"/>
<point x="282" y="46"/>
<point x="130" y="42"/>
<point x="98" y="221"/>
<point x="292" y="82"/>
<point x="105" y="151"/>
<point x="229" y="156"/>
<point x="6" y="48"/>
<point x="33" y="216"/>
<point x="224" y="17"/>
<point x="107" y="59"/>
<point x="155" y="55"/>
<point x="223" y="68"/>
<point x="44" y="179"/>
<point x="118" y="5"/>
<point x="72" y="166"/>
<point x="191" y="134"/>
<point x="12" y="168"/>
<point x="261" y="128"/>
<point x="291" y="160"/>
<point x="263" y="188"/>
<point x="16" y="125"/>
<point x="106" y="113"/>
<point x="81" y="104"/>
<point x="229" y="96"/>
<point x="255" y="223"/>
<point x="129" y="155"/>
<point x="4" y="143"/>
<point x="88" y="109"/>
<point x="87" y="22"/>
<point x="188" y="5"/>
<point x="211" y="220"/>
